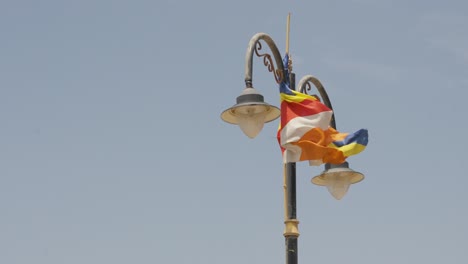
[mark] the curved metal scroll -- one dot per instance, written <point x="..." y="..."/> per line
<point x="304" y="86"/>
<point x="255" y="46"/>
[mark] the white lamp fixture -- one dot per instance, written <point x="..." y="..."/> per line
<point x="250" y="112"/>
<point x="338" y="178"/>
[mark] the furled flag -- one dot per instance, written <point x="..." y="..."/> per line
<point x="305" y="134"/>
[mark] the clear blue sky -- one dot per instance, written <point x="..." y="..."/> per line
<point x="112" y="149"/>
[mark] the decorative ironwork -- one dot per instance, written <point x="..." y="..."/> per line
<point x="307" y="87"/>
<point x="268" y="62"/>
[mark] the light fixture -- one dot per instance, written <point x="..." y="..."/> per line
<point x="250" y="112"/>
<point x="337" y="178"/>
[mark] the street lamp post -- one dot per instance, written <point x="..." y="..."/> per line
<point x="251" y="112"/>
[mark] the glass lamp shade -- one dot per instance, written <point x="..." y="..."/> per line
<point x="337" y="184"/>
<point x="337" y="179"/>
<point x="250" y="112"/>
<point x="251" y="119"/>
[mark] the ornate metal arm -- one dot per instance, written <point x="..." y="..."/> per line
<point x="304" y="86"/>
<point x="255" y="46"/>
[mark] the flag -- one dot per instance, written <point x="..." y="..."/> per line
<point x="304" y="131"/>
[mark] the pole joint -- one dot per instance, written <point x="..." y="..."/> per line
<point x="291" y="228"/>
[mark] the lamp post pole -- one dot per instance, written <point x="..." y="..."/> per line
<point x="291" y="232"/>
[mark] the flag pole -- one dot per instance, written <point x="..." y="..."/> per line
<point x="289" y="66"/>
<point x="288" y="20"/>
<point x="287" y="33"/>
<point x="285" y="171"/>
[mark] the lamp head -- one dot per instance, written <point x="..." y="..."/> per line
<point x="250" y="112"/>
<point x="338" y="178"/>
